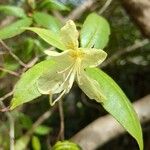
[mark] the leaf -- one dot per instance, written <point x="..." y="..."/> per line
<point x="26" y="90"/>
<point x="12" y="11"/>
<point x="42" y="130"/>
<point x="95" y="32"/>
<point x="24" y="120"/>
<point x="117" y="104"/>
<point x="47" y="21"/>
<point x="36" y="143"/>
<point x="50" y="37"/>
<point x="14" y="28"/>
<point x="65" y="145"/>
<point x="53" y="5"/>
<point x="22" y="143"/>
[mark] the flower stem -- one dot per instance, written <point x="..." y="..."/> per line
<point x="62" y="125"/>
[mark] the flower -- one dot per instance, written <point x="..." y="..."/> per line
<point x="70" y="66"/>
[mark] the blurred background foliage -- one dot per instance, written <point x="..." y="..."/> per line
<point x="130" y="70"/>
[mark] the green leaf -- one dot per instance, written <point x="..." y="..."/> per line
<point x="117" y="104"/>
<point x="65" y="145"/>
<point x="53" y="5"/>
<point x="36" y="143"/>
<point x="26" y="89"/>
<point x="24" y="120"/>
<point x="95" y="32"/>
<point x="47" y="21"/>
<point x="50" y="37"/>
<point x="14" y="28"/>
<point x="22" y="143"/>
<point x="42" y="130"/>
<point x="12" y="11"/>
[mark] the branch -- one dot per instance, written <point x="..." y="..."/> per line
<point x="128" y="49"/>
<point x="105" y="6"/>
<point x="106" y="128"/>
<point x="76" y="13"/>
<point x="6" y="96"/>
<point x="13" y="55"/>
<point x="139" y="10"/>
<point x="41" y="119"/>
<point x="9" y="71"/>
<point x="11" y="124"/>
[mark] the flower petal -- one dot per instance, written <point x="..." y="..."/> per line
<point x="63" y="59"/>
<point x="92" y="57"/>
<point x="59" y="79"/>
<point x="54" y="53"/>
<point x="90" y="87"/>
<point x="69" y="35"/>
<point x="50" y="81"/>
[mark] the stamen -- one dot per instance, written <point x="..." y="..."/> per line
<point x="79" y="71"/>
<point x="71" y="80"/>
<point x="52" y="102"/>
<point x="62" y="71"/>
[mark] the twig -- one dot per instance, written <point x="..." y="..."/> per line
<point x="9" y="71"/>
<point x="30" y="64"/>
<point x="13" y="55"/>
<point x="7" y="21"/>
<point x="58" y="15"/>
<point x="106" y="128"/>
<point x="2" y="53"/>
<point x="62" y="126"/>
<point x="41" y="119"/>
<point x="6" y="96"/>
<point x="11" y="123"/>
<point x="11" y="132"/>
<point x="76" y="13"/>
<point x="119" y="53"/>
<point x="105" y="6"/>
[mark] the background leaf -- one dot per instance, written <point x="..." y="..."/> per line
<point x="22" y="143"/>
<point x="26" y="89"/>
<point x="50" y="37"/>
<point x="65" y="145"/>
<point x="47" y="21"/>
<point x="95" y="32"/>
<point x="14" y="28"/>
<point x="117" y="104"/>
<point x="42" y="130"/>
<point x="53" y="4"/>
<point x="12" y="11"/>
<point x="36" y="143"/>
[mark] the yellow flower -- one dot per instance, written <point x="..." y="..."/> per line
<point x="70" y="67"/>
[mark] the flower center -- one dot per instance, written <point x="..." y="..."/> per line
<point x="76" y="54"/>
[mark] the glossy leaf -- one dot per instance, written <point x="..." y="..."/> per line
<point x="14" y="28"/>
<point x="50" y="37"/>
<point x="12" y="11"/>
<point x="117" y="104"/>
<point x="47" y="21"/>
<point x="53" y="5"/>
<point x="95" y="32"/>
<point x="26" y="89"/>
